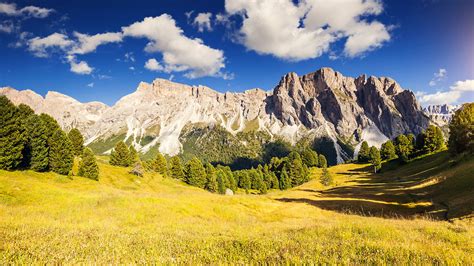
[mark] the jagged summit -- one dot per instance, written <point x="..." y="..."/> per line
<point x="323" y="103"/>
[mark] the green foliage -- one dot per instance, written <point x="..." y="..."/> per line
<point x="322" y="161"/>
<point x="120" y="155"/>
<point x="285" y="182"/>
<point x="160" y="164"/>
<point x="77" y="141"/>
<point x="88" y="165"/>
<point x="374" y="158"/>
<point x="363" y="155"/>
<point x="221" y="181"/>
<point x="102" y="145"/>
<point x="12" y="135"/>
<point x="61" y="157"/>
<point x="387" y="151"/>
<point x="195" y="174"/>
<point x="461" y="138"/>
<point x="326" y="178"/>
<point x="433" y="139"/>
<point x="310" y="158"/>
<point x="133" y="155"/>
<point x="176" y="168"/>
<point x="211" y="178"/>
<point x="37" y="143"/>
<point x="403" y="147"/>
<point x="243" y="179"/>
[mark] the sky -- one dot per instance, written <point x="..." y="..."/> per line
<point x="99" y="51"/>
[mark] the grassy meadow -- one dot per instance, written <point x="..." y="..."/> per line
<point x="396" y="217"/>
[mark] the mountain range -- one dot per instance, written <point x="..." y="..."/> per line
<point x="324" y="108"/>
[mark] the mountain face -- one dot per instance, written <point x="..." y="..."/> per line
<point x="172" y="117"/>
<point x="441" y="114"/>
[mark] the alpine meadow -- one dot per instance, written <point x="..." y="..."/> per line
<point x="283" y="154"/>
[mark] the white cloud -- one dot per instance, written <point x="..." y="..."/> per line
<point x="132" y="68"/>
<point x="89" y="43"/>
<point x="306" y="29"/>
<point x="38" y="46"/>
<point x="180" y="53"/>
<point x="203" y="22"/>
<point x="438" y="77"/>
<point x="467" y="85"/>
<point x="7" y="27"/>
<point x="79" y="67"/>
<point x="33" y="11"/>
<point x="129" y="57"/>
<point x="461" y="91"/>
<point x="153" y="65"/>
<point x="90" y="85"/>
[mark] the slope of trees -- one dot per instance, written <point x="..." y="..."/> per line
<point x="461" y="138"/>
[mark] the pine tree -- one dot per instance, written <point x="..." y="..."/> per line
<point x="322" y="161"/>
<point x="120" y="155"/>
<point x="309" y="158"/>
<point x="326" y="177"/>
<point x="211" y="178"/>
<point x="12" y="135"/>
<point x="60" y="154"/>
<point x="387" y="151"/>
<point x="285" y="182"/>
<point x="195" y="173"/>
<point x="37" y="144"/>
<point x="461" y="128"/>
<point x="363" y="155"/>
<point x="160" y="165"/>
<point x="133" y="155"/>
<point x="88" y="166"/>
<point x="77" y="141"/>
<point x="245" y="181"/>
<point x="374" y="158"/>
<point x="176" y="168"/>
<point x="221" y="181"/>
<point x="296" y="172"/>
<point x="403" y="147"/>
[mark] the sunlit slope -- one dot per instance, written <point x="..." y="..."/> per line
<point x="46" y="217"/>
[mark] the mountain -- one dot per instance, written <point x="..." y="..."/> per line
<point x="325" y="109"/>
<point x="441" y="114"/>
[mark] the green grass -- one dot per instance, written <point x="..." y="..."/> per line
<point x="49" y="218"/>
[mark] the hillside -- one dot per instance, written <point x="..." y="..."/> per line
<point x="364" y="218"/>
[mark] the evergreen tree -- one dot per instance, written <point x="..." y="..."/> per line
<point x="420" y="142"/>
<point x="133" y="155"/>
<point x="51" y="125"/>
<point x="387" y="151"/>
<point x="322" y="161"/>
<point x="403" y="147"/>
<point x="77" y="141"/>
<point x="38" y="148"/>
<point x="434" y="140"/>
<point x="326" y="177"/>
<point x="195" y="173"/>
<point x="245" y="181"/>
<point x="211" y="178"/>
<point x="461" y="129"/>
<point x="88" y="166"/>
<point x="309" y="158"/>
<point x="176" y="168"/>
<point x="61" y="158"/>
<point x="285" y="182"/>
<point x="296" y="172"/>
<point x="363" y="155"/>
<point x="12" y="135"/>
<point x="221" y="181"/>
<point x="374" y="158"/>
<point x="120" y="155"/>
<point x="160" y="165"/>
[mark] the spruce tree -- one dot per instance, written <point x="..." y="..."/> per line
<point x="195" y="173"/>
<point x="322" y="161"/>
<point x="309" y="158"/>
<point x="88" y="166"/>
<point x="326" y="177"/>
<point x="176" y="168"/>
<point x="285" y="182"/>
<point x="374" y="158"/>
<point x="160" y="165"/>
<point x="61" y="158"/>
<point x="403" y="147"/>
<point x="363" y="155"/>
<point x="211" y="178"/>
<point x="245" y="181"/>
<point x="133" y="155"/>
<point x="120" y="155"/>
<point x="461" y="128"/>
<point x="77" y="141"/>
<point x="12" y="135"/>
<point x="37" y="144"/>
<point x="221" y="181"/>
<point x="387" y="151"/>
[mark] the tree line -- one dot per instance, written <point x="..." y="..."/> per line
<point x="280" y="173"/>
<point x="37" y="142"/>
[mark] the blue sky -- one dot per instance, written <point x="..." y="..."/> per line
<point x="95" y="50"/>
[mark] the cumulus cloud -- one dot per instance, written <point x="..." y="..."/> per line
<point x="39" y="46"/>
<point x="78" y="67"/>
<point x="89" y="43"/>
<point x="203" y="22"/>
<point x="461" y="91"/>
<point x="438" y="77"/>
<point x="305" y="29"/>
<point x="32" y="11"/>
<point x="180" y="53"/>
<point x="153" y="65"/>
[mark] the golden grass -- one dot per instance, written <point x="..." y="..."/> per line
<point x="49" y="218"/>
